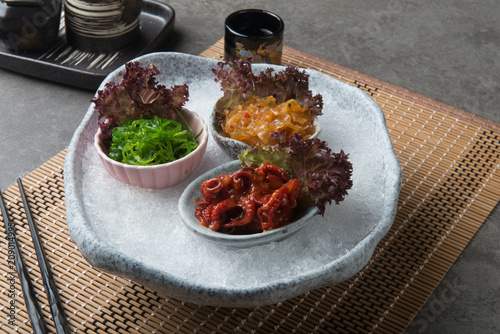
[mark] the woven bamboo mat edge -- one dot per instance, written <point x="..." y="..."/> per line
<point x="410" y="95"/>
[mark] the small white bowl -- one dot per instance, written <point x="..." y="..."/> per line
<point x="163" y="175"/>
<point x="233" y="147"/>
<point x="187" y="203"/>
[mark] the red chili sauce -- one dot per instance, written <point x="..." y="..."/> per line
<point x="249" y="200"/>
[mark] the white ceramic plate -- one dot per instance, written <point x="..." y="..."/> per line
<point x="138" y="233"/>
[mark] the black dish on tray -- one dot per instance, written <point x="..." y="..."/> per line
<point x="67" y="65"/>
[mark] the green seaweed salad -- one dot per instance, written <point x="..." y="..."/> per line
<point x="150" y="141"/>
<point x="136" y="117"/>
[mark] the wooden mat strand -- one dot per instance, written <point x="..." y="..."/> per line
<point x="450" y="162"/>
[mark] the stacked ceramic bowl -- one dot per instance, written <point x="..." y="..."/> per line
<point x="102" y="26"/>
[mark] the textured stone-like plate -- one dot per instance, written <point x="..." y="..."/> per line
<point x="138" y="233"/>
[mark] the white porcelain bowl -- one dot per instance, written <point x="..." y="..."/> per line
<point x="187" y="206"/>
<point x="233" y="147"/>
<point x="163" y="175"/>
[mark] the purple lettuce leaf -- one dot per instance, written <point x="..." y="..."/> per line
<point x="325" y="176"/>
<point x="239" y="82"/>
<point x="137" y="94"/>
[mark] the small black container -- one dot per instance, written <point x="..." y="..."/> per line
<point x="29" y="24"/>
<point x="102" y="26"/>
<point x="254" y="33"/>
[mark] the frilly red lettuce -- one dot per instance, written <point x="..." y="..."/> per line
<point x="137" y="94"/>
<point x="325" y="176"/>
<point x="239" y="83"/>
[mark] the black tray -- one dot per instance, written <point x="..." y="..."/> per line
<point x="69" y="66"/>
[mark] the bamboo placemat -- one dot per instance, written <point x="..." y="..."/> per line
<point x="450" y="161"/>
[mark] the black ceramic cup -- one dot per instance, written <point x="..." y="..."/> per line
<point x="29" y="24"/>
<point x="102" y="26"/>
<point x="254" y="33"/>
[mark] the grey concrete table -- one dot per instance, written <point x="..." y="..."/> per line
<point x="447" y="50"/>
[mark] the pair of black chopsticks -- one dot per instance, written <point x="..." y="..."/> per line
<point x="32" y="307"/>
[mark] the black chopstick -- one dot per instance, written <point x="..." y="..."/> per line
<point x="34" y="313"/>
<point x="48" y="282"/>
